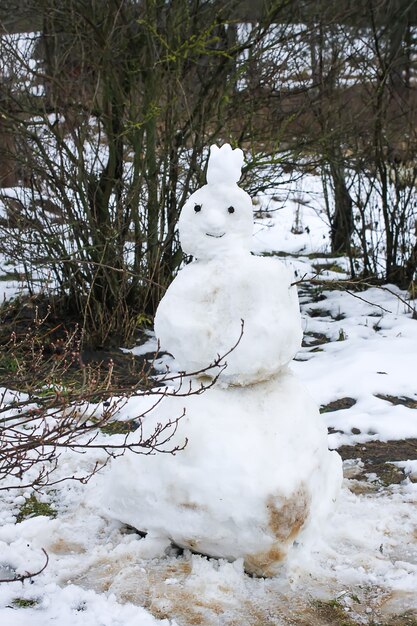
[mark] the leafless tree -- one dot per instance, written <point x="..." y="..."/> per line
<point x="110" y="122"/>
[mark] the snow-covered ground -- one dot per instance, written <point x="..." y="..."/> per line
<point x="363" y="567"/>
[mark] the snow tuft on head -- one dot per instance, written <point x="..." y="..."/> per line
<point x="224" y="165"/>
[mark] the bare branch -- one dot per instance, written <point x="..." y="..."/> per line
<point x="27" y="575"/>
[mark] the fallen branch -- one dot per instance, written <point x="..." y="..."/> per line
<point x="343" y="285"/>
<point x="22" y="577"/>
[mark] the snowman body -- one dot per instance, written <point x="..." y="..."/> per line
<point x="240" y="299"/>
<point x="256" y="471"/>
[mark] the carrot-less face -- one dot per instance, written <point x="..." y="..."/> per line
<point x="217" y="220"/>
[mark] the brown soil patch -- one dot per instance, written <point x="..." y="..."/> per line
<point x="311" y="339"/>
<point x="337" y="405"/>
<point x="18" y="318"/>
<point x="404" y="400"/>
<point x="378" y="457"/>
<point x="406" y="619"/>
<point x="319" y="313"/>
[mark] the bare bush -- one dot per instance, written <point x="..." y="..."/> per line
<point x="51" y="402"/>
<point x="110" y="110"/>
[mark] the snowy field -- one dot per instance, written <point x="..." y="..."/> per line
<point x="359" y="363"/>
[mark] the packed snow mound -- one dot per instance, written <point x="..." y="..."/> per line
<point x="256" y="472"/>
<point x="200" y="317"/>
<point x="224" y="165"/>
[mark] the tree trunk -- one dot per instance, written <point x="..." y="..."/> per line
<point x="8" y="163"/>
<point x="342" y="223"/>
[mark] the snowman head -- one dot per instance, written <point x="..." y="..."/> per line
<point x="217" y="219"/>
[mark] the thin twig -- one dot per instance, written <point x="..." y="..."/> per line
<point x="22" y="577"/>
<point x="342" y="285"/>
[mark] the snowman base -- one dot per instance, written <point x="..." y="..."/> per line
<point x="255" y="473"/>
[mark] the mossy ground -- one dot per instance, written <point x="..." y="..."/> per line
<point x="33" y="507"/>
<point x="24" y="603"/>
<point x="332" y="612"/>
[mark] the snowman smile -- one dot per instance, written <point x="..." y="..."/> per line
<point x="216" y="236"/>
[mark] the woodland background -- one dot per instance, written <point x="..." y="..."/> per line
<point x="107" y="110"/>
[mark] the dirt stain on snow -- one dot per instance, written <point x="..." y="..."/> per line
<point x="61" y="546"/>
<point x="192" y="506"/>
<point x="286" y="517"/>
<point x="192" y="589"/>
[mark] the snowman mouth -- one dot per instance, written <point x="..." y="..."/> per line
<point x="215" y="236"/>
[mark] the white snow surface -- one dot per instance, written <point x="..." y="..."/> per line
<point x="100" y="572"/>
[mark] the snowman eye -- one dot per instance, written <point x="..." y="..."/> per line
<point x="197" y="208"/>
<point x="231" y="209"/>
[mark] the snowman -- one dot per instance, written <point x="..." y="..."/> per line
<point x="200" y="316"/>
<point x="256" y="475"/>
